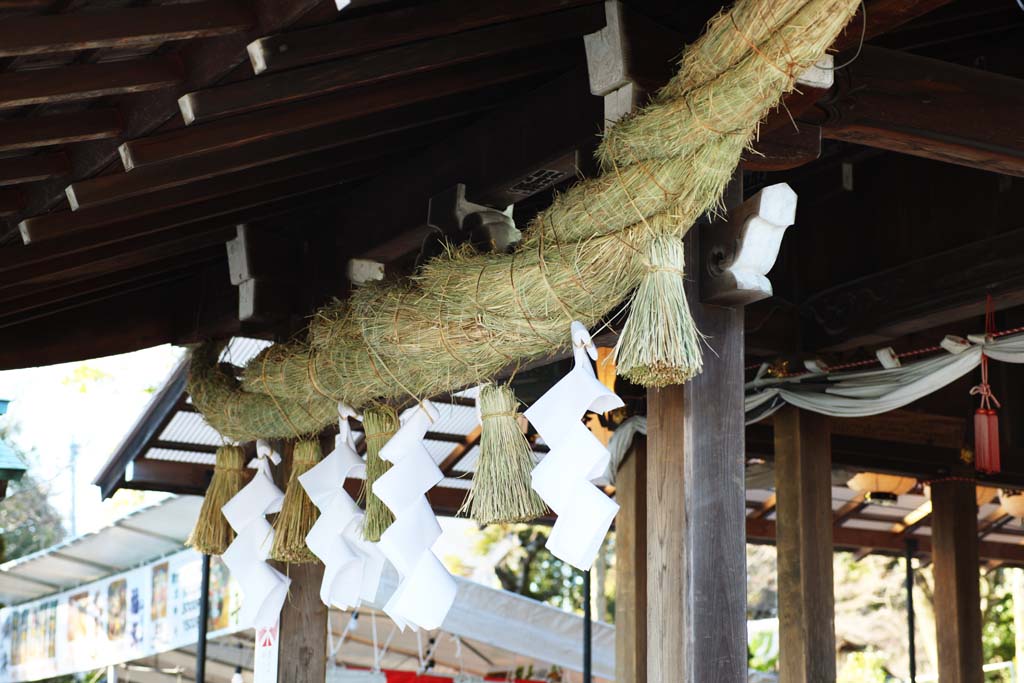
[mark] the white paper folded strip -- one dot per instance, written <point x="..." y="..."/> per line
<point x="426" y="590"/>
<point x="352" y="565"/>
<point x="563" y="478"/>
<point x="264" y="588"/>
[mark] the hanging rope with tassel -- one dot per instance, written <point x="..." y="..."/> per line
<point x="502" y="492"/>
<point x="380" y="423"/>
<point x="986" y="419"/>
<point x="298" y="514"/>
<point x="212" y="534"/>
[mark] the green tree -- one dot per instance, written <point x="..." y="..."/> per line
<point x="28" y="522"/>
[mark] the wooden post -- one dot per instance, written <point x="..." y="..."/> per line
<point x="803" y="487"/>
<point x="957" y="598"/>
<point x="631" y="568"/>
<point x="303" y="653"/>
<point x="696" y="527"/>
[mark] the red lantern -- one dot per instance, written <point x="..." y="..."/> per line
<point x="986" y="420"/>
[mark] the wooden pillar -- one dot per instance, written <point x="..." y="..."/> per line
<point x="957" y="598"/>
<point x="303" y="652"/>
<point x="631" y="568"/>
<point x="696" y="538"/>
<point x="803" y="489"/>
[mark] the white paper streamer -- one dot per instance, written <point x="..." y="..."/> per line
<point x="352" y="565"/>
<point x="264" y="588"/>
<point x="563" y="478"/>
<point x="426" y="590"/>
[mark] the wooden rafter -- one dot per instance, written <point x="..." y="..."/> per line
<point x="343" y="140"/>
<point x="346" y="38"/>
<point x="398" y="62"/>
<point x="86" y="81"/>
<point x="123" y="28"/>
<point x="59" y="129"/>
<point x="357" y="103"/>
<point x="18" y="170"/>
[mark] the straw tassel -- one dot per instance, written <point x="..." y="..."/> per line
<point x="298" y="513"/>
<point x="660" y="344"/>
<point x="212" y="534"/>
<point x="502" y="491"/>
<point x="380" y="423"/>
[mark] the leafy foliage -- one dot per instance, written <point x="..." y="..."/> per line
<point x="28" y="522"/>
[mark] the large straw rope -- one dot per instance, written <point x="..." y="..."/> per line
<point x="466" y="315"/>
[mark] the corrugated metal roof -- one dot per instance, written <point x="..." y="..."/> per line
<point x="134" y="539"/>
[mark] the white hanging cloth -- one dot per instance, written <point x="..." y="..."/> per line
<point x="563" y="479"/>
<point x="426" y="590"/>
<point x="264" y="588"/>
<point x="352" y="565"/>
<point x="871" y="392"/>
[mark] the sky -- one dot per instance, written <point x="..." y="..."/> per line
<point x="92" y="403"/>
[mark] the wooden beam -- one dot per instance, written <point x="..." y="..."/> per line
<point x="132" y="243"/>
<point x="31" y="297"/>
<point x="803" y="471"/>
<point x="459" y="450"/>
<point x="784" y="148"/>
<point x="346" y="106"/>
<point x="696" y="552"/>
<point x="850" y="538"/>
<point x="12" y="200"/>
<point x="121" y="29"/>
<point x="389" y="29"/>
<point x="351" y="140"/>
<point x="922" y="294"/>
<point x="934" y="109"/>
<point x="631" y="567"/>
<point x="495" y="158"/>
<point x="59" y="129"/>
<point x="239" y="190"/>
<point x="86" y="81"/>
<point x="303" y="632"/>
<point x="125" y="322"/>
<point x="204" y="62"/>
<point x="185" y="478"/>
<point x="883" y="16"/>
<point x="28" y="169"/>
<point x="849" y="509"/>
<point x="418" y="58"/>
<point x="957" y="600"/>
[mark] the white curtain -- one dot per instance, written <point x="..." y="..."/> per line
<point x="870" y="392"/>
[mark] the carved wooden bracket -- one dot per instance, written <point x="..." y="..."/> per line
<point x="739" y="252"/>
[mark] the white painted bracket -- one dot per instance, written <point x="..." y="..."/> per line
<point x="821" y="74"/>
<point x="363" y="270"/>
<point x="739" y="252"/>
<point x="450" y="212"/>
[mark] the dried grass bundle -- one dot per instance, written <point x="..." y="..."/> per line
<point x="502" y="491"/>
<point x="380" y="423"/>
<point x="212" y="534"/>
<point x="467" y="315"/>
<point x="297" y="511"/>
<point x="660" y="344"/>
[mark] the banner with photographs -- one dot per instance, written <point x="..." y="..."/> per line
<point x="142" y="612"/>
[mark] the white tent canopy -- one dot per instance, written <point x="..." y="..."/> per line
<point x="487" y="630"/>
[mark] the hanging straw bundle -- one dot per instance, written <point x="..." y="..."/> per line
<point x="380" y="423"/>
<point x="466" y="315"/>
<point x="297" y="511"/>
<point x="212" y="534"/>
<point x="660" y="344"/>
<point x="502" y="491"/>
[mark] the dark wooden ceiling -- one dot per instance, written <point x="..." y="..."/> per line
<point x="135" y="137"/>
